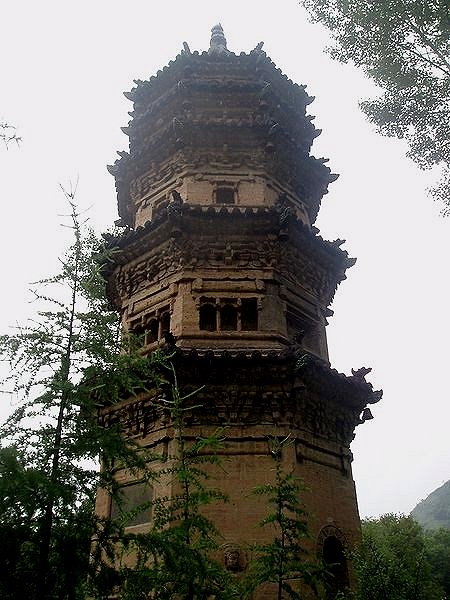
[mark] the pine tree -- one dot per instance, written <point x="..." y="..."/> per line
<point x="52" y="441"/>
<point x="175" y="558"/>
<point x="284" y="561"/>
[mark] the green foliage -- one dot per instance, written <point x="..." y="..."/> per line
<point x="174" y="558"/>
<point x="437" y="546"/>
<point x="51" y="442"/>
<point x="65" y="364"/>
<point x="284" y="561"/>
<point x="403" y="46"/>
<point x="434" y="511"/>
<point x="393" y="562"/>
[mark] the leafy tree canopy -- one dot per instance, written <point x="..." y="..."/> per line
<point x="398" y="561"/>
<point x="437" y="545"/>
<point x="403" y="46"/>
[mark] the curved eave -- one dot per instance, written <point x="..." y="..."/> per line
<point x="192" y="67"/>
<point x="308" y="173"/>
<point x="184" y="66"/>
<point x="133" y="244"/>
<point x="351" y="390"/>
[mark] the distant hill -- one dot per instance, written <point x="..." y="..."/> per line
<point x="434" y="511"/>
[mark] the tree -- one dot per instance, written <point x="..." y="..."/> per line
<point x="175" y="558"/>
<point x="437" y="548"/>
<point x="403" y="46"/>
<point x="47" y="488"/>
<point x="71" y="359"/>
<point x="284" y="561"/>
<point x="8" y="134"/>
<point x="392" y="562"/>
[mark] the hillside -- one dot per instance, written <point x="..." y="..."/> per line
<point x="434" y="511"/>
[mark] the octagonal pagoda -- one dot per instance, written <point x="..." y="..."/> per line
<point x="220" y="262"/>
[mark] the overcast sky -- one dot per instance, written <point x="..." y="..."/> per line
<point x="64" y="68"/>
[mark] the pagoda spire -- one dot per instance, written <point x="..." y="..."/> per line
<point x="218" y="44"/>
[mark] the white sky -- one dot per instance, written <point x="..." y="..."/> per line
<point x="64" y="67"/>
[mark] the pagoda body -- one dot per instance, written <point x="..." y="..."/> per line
<point x="221" y="261"/>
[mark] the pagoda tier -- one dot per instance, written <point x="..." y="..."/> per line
<point x="296" y="392"/>
<point x="256" y="396"/>
<point x="214" y="120"/>
<point x="227" y="277"/>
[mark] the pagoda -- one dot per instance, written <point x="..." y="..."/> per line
<point x="221" y="262"/>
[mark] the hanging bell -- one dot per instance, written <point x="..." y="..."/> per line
<point x="366" y="414"/>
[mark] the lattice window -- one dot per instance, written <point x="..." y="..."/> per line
<point x="208" y="317"/>
<point x="225" y="195"/>
<point x="152" y="327"/>
<point x="228" y="314"/>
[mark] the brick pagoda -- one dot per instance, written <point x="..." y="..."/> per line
<point x="220" y="260"/>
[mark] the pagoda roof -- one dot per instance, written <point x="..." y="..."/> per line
<point x="147" y="90"/>
<point x="353" y="391"/>
<point x="218" y="69"/>
<point x="229" y="219"/>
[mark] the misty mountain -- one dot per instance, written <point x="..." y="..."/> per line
<point x="434" y="511"/>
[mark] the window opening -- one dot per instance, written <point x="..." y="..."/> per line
<point x="139" y="332"/>
<point x="156" y="324"/>
<point x="228" y="314"/>
<point x="249" y="315"/>
<point x="228" y="318"/>
<point x="298" y="325"/>
<point x="208" y="319"/>
<point x="334" y="557"/>
<point x="165" y="323"/>
<point x="225" y="195"/>
<point x="152" y="332"/>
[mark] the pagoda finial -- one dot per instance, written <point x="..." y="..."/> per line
<point x="218" y="43"/>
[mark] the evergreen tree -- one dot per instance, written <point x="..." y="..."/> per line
<point x="284" y="561"/>
<point x="8" y="134"/>
<point x="175" y="559"/>
<point x="52" y="441"/>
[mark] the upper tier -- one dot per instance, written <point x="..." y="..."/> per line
<point x="219" y="128"/>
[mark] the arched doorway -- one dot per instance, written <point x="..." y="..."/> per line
<point x="332" y="549"/>
<point x="336" y="562"/>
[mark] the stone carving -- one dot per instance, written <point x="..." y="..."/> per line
<point x="234" y="558"/>
<point x="137" y="418"/>
<point x="179" y="129"/>
<point x="285" y="210"/>
<point x="196" y="254"/>
<point x="286" y="404"/>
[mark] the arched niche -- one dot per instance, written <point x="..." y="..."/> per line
<point x="331" y="548"/>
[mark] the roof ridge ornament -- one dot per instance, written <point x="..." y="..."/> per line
<point x="218" y="44"/>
